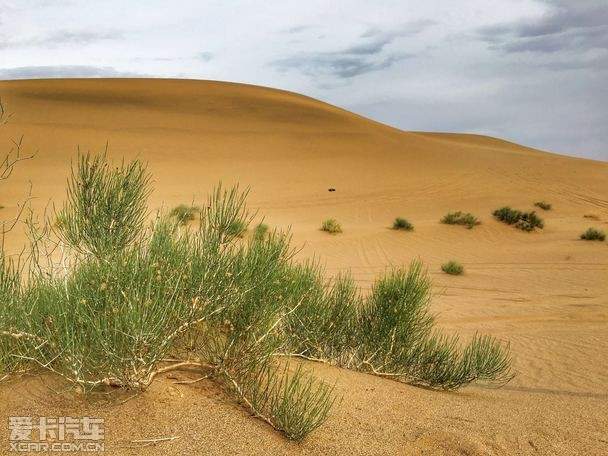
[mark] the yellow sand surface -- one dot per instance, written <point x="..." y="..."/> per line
<point x="544" y="292"/>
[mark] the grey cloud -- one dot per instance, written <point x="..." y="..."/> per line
<point x="567" y="15"/>
<point x="64" y="71"/>
<point x="205" y="56"/>
<point x="408" y="28"/>
<point x="580" y="25"/>
<point x="297" y="29"/>
<point x="62" y="37"/>
<point x="342" y="66"/>
<point x="373" y="47"/>
<point x="576" y="126"/>
<point x="355" y="60"/>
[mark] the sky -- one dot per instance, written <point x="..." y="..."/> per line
<point x="530" y="71"/>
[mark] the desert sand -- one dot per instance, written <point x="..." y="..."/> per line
<point x="546" y="292"/>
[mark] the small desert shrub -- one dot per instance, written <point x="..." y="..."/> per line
<point x="529" y="221"/>
<point x="237" y="228"/>
<point x="543" y="205"/>
<point x="331" y="226"/>
<point x="452" y="268"/>
<point x="507" y="215"/>
<point x="526" y="221"/>
<point x="260" y="231"/>
<point x="460" y="218"/>
<point x="184" y="214"/>
<point x="593" y="234"/>
<point x="402" y="224"/>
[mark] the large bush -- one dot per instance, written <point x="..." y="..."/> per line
<point x="123" y="300"/>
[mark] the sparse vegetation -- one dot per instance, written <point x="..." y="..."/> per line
<point x="593" y="234"/>
<point x="543" y="205"/>
<point x="115" y="308"/>
<point x="526" y="221"/>
<point x="8" y="162"/>
<point x="331" y="226"/>
<point x="452" y="268"/>
<point x="184" y="214"/>
<point x="402" y="224"/>
<point x="260" y="231"/>
<point x="460" y="218"/>
<point x="237" y="228"/>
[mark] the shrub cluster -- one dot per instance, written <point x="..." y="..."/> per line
<point x="593" y="234"/>
<point x="452" y="268"/>
<point x="402" y="224"/>
<point x="127" y="298"/>
<point x="184" y="214"/>
<point x="526" y="221"/>
<point x="460" y="218"/>
<point x="331" y="226"/>
<point x="543" y="205"/>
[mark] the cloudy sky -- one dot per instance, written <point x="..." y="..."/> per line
<point x="531" y="71"/>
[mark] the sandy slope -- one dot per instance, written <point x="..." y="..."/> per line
<point x="547" y="293"/>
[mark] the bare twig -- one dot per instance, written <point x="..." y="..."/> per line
<point x="190" y="382"/>
<point x="154" y="441"/>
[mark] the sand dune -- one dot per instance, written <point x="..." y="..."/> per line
<point x="545" y="292"/>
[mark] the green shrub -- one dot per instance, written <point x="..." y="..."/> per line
<point x="105" y="209"/>
<point x="232" y="310"/>
<point x="184" y="214"/>
<point x="60" y="222"/>
<point x="237" y="228"/>
<point x="331" y="226"/>
<point x="526" y="221"/>
<point x="543" y="205"/>
<point x="507" y="215"/>
<point x="390" y="333"/>
<point x="452" y="268"/>
<point x="402" y="224"/>
<point x="297" y="402"/>
<point x="260" y="231"/>
<point x="593" y="234"/>
<point x="460" y="218"/>
<point x="529" y="221"/>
